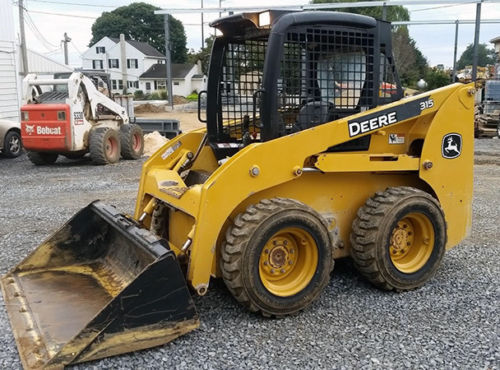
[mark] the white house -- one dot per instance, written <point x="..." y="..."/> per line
<point x="9" y="83"/>
<point x="105" y="55"/>
<point x="186" y="78"/>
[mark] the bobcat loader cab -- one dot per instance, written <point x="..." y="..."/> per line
<point x="310" y="154"/>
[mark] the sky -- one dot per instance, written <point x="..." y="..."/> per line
<point x="44" y="31"/>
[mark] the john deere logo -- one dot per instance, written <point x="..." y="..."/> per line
<point x="452" y="146"/>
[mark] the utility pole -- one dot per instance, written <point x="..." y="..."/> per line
<point x="24" y="52"/>
<point x="476" y="41"/>
<point x="202" y="31"/>
<point x="65" y="41"/>
<point x="123" y="61"/>
<point x="455" y="53"/>
<point x="168" y="60"/>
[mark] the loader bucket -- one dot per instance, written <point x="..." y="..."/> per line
<point x="98" y="287"/>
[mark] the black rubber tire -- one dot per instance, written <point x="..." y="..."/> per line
<point x="127" y="133"/>
<point x="74" y="155"/>
<point x="12" y="144"/>
<point x="99" y="145"/>
<point x="245" y="240"/>
<point x="371" y="233"/>
<point x="42" y="158"/>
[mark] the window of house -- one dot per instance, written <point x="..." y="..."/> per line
<point x="114" y="84"/>
<point x="132" y="63"/>
<point x="133" y="84"/>
<point x="113" y="63"/>
<point x="97" y="64"/>
<point x="161" y="85"/>
<point x="120" y="84"/>
<point x="100" y="50"/>
<point x="176" y="83"/>
<point x="148" y="86"/>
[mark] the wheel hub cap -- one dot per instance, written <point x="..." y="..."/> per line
<point x="288" y="261"/>
<point x="411" y="243"/>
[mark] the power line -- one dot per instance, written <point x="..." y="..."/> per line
<point x="47" y="44"/>
<point x="75" y="4"/>
<point x="439" y="7"/>
<point x="63" y="14"/>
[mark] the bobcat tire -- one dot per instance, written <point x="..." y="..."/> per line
<point x="13" y="145"/>
<point x="42" y="158"/>
<point x="398" y="238"/>
<point x="132" y="141"/>
<point x="277" y="257"/>
<point x="104" y="145"/>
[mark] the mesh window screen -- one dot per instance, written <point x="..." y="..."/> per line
<point x="387" y="88"/>
<point x="325" y="74"/>
<point x="241" y="79"/>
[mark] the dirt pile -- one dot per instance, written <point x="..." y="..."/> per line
<point x="149" y="108"/>
<point x="152" y="142"/>
<point x="180" y="100"/>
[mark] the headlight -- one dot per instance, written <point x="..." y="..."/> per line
<point x="61" y="115"/>
<point x="25" y="116"/>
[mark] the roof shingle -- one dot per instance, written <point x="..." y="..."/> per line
<point x="143" y="47"/>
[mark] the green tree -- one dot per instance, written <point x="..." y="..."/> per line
<point x="436" y="78"/>
<point x="203" y="55"/>
<point x="485" y="56"/>
<point x="394" y="13"/>
<point x="411" y="64"/>
<point x="137" y="21"/>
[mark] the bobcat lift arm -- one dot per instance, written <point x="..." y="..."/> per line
<point x="77" y="84"/>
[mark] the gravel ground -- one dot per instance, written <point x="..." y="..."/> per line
<point x="452" y="322"/>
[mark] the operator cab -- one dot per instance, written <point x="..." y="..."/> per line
<point x="277" y="72"/>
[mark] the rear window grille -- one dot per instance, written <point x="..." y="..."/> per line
<point x="326" y="74"/>
<point x="241" y="78"/>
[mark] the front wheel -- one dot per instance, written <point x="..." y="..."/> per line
<point x="12" y="146"/>
<point x="398" y="238"/>
<point x="277" y="256"/>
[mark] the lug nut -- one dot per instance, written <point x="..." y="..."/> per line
<point x="272" y="271"/>
<point x="285" y="242"/>
<point x="290" y="262"/>
<point x="282" y="271"/>
<point x="266" y="251"/>
<point x="265" y="263"/>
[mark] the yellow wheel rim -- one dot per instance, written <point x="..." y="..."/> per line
<point x="288" y="261"/>
<point x="411" y="243"/>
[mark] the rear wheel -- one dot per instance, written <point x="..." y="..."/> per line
<point x="277" y="256"/>
<point x="132" y="141"/>
<point x="42" y="158"/>
<point x="12" y="146"/>
<point x="398" y="238"/>
<point x="104" y="145"/>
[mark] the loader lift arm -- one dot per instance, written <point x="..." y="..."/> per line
<point x="77" y="84"/>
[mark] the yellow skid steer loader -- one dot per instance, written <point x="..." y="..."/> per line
<point x="310" y="154"/>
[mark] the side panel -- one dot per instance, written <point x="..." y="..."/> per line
<point x="451" y="174"/>
<point x="46" y="130"/>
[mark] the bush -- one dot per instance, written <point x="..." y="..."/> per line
<point x="138" y="95"/>
<point x="192" y="97"/>
<point x="163" y="94"/>
<point x="154" y="96"/>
